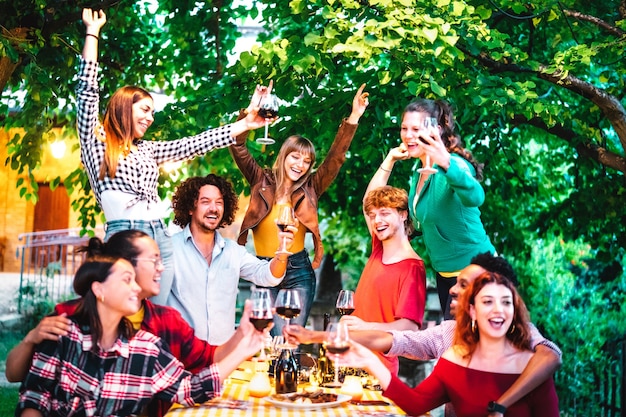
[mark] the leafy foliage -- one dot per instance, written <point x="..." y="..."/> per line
<point x="538" y="89"/>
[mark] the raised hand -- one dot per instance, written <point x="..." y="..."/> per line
<point x="359" y="104"/>
<point x="94" y="20"/>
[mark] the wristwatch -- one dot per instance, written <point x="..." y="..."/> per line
<point x="495" y="407"/>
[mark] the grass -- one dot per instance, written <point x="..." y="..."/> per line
<point x="8" y="393"/>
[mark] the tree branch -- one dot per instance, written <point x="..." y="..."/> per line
<point x="610" y="105"/>
<point x="596" y="21"/>
<point x="586" y="148"/>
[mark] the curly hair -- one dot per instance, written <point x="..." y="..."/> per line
<point x="519" y="332"/>
<point x="442" y="111"/>
<point x="391" y="197"/>
<point x="498" y="264"/>
<point x="186" y="195"/>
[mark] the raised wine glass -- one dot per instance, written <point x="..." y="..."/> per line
<point x="336" y="342"/>
<point x="268" y="109"/>
<point x="345" y="302"/>
<point x="285" y="218"/>
<point x="288" y="306"/>
<point x="429" y="124"/>
<point x="261" y="315"/>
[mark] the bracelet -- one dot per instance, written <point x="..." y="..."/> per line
<point x="92" y="35"/>
<point x="383" y="169"/>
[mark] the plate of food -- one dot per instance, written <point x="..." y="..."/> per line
<point x="307" y="400"/>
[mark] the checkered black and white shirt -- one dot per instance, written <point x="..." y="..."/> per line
<point x="67" y="378"/>
<point x="138" y="172"/>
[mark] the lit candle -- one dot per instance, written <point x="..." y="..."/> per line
<point x="352" y="387"/>
<point x="260" y="386"/>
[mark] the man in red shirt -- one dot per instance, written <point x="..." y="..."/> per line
<point x="391" y="294"/>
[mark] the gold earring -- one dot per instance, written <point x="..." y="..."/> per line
<point x="473" y="326"/>
<point x="101" y="299"/>
<point x="512" y="329"/>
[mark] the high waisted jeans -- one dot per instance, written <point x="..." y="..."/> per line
<point x="300" y="276"/>
<point x="156" y="230"/>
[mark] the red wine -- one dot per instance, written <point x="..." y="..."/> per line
<point x="268" y="113"/>
<point x="282" y="227"/>
<point x="336" y="350"/>
<point x="288" y="312"/>
<point x="344" y="311"/>
<point x="260" y="323"/>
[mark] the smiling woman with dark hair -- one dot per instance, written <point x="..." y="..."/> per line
<point x="101" y="366"/>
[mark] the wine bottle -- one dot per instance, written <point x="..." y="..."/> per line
<point x="286" y="373"/>
<point x="322" y="361"/>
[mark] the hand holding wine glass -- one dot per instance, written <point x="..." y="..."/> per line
<point x="261" y="315"/>
<point x="268" y="109"/>
<point x="337" y="341"/>
<point x="429" y="124"/>
<point x="285" y="219"/>
<point x="345" y="302"/>
<point x="288" y="306"/>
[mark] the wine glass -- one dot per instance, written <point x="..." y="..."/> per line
<point x="429" y="124"/>
<point x="337" y="341"/>
<point x="268" y="109"/>
<point x="345" y="302"/>
<point x="285" y="218"/>
<point x="261" y="315"/>
<point x="288" y="306"/>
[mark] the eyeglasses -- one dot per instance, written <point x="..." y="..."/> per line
<point x="158" y="263"/>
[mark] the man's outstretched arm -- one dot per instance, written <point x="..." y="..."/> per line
<point x="541" y="366"/>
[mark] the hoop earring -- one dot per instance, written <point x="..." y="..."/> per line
<point x="512" y="329"/>
<point x="473" y="326"/>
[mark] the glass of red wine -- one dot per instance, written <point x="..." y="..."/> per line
<point x="268" y="109"/>
<point x="345" y="302"/>
<point x="261" y="315"/>
<point x="336" y="342"/>
<point x="285" y="218"/>
<point x="288" y="306"/>
<point x="429" y="124"/>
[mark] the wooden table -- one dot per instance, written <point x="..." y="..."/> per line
<point x="238" y="390"/>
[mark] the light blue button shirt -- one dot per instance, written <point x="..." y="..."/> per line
<point x="206" y="296"/>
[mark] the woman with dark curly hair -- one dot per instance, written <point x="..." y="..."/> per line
<point x="207" y="267"/>
<point x="491" y="349"/>
<point x="443" y="202"/>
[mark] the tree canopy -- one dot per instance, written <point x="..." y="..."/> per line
<point x="538" y="89"/>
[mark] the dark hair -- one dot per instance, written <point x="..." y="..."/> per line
<point x="442" y="111"/>
<point x="122" y="244"/>
<point x="497" y="264"/>
<point x="96" y="268"/>
<point x="518" y="333"/>
<point x="185" y="198"/>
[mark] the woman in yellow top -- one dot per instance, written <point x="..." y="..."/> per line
<point x="291" y="181"/>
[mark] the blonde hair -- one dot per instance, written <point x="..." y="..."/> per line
<point x="294" y="143"/>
